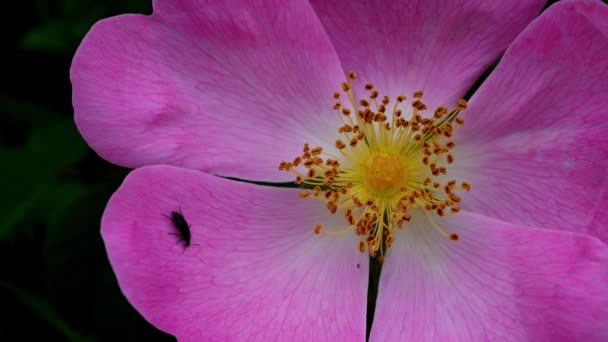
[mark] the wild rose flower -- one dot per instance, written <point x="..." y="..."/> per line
<point x="491" y="230"/>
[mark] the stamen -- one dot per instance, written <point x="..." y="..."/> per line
<point x="318" y="228"/>
<point x="387" y="164"/>
<point x="451" y="236"/>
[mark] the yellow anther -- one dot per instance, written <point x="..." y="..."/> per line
<point x="304" y="194"/>
<point x="361" y="246"/>
<point x="462" y="105"/>
<point x="318" y="228"/>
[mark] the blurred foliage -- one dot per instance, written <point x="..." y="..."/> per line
<point x="64" y="23"/>
<point x="56" y="281"/>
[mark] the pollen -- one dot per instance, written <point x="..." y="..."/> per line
<point x="391" y="159"/>
<point x="384" y="174"/>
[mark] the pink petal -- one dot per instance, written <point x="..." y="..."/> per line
<point x="231" y="88"/>
<point x="536" y="133"/>
<point x="437" y="46"/>
<point x="255" y="269"/>
<point x="499" y="282"/>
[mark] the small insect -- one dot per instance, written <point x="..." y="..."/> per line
<point x="182" y="226"/>
<point x="357" y="265"/>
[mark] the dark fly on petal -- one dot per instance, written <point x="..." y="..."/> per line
<point x="182" y="226"/>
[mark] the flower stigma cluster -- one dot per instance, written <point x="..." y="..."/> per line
<point x="387" y="165"/>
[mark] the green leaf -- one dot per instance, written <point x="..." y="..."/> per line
<point x="73" y="251"/>
<point x="60" y="200"/>
<point x="30" y="173"/>
<point x="24" y="112"/>
<point x="63" y="28"/>
<point x="24" y="183"/>
<point x="44" y="311"/>
<point x="73" y="225"/>
<point x="57" y="144"/>
<point x="52" y="37"/>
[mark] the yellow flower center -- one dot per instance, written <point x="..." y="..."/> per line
<point x="384" y="174"/>
<point x="384" y="167"/>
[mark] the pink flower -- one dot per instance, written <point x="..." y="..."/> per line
<point x="232" y="88"/>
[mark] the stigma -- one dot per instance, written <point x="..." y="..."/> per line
<point x="391" y="158"/>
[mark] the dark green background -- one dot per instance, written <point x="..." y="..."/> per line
<point x="55" y="280"/>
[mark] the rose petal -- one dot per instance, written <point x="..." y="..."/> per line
<point x="255" y="270"/>
<point x="498" y="282"/>
<point x="231" y="88"/>
<point x="536" y="135"/>
<point x="440" y="47"/>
